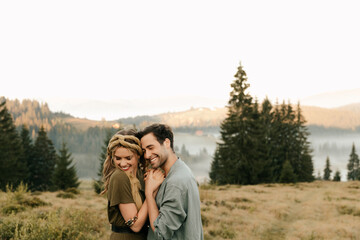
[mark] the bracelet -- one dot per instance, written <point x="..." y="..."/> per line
<point x="131" y="221"/>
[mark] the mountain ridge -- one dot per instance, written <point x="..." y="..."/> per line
<point x="345" y="117"/>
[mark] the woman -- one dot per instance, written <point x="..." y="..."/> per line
<point x="124" y="184"/>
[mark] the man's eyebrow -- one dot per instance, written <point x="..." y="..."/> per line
<point x="150" y="145"/>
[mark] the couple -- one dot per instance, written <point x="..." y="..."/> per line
<point x="167" y="199"/>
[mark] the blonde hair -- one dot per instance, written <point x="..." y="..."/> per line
<point x="128" y="140"/>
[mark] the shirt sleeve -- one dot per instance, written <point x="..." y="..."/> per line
<point x="120" y="189"/>
<point x="172" y="213"/>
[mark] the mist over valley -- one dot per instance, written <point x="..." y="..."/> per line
<point x="197" y="130"/>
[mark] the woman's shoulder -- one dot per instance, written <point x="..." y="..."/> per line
<point x="118" y="175"/>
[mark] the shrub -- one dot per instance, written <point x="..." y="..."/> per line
<point x="12" y="208"/>
<point x="223" y="232"/>
<point x="72" y="190"/>
<point x="65" y="195"/>
<point x="33" y="202"/>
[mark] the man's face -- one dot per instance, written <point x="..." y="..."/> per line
<point x="154" y="152"/>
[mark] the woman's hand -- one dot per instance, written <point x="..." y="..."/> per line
<point x="153" y="179"/>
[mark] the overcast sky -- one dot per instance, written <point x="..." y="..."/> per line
<point x="126" y="50"/>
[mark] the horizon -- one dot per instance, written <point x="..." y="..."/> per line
<point x="112" y="110"/>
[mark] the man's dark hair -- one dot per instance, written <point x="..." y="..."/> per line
<point x="160" y="131"/>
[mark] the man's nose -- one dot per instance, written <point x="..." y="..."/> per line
<point x="147" y="155"/>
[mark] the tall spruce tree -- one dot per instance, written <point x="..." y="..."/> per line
<point x="64" y="176"/>
<point x="42" y="166"/>
<point x="12" y="170"/>
<point x="327" y="169"/>
<point x="265" y="139"/>
<point x="303" y="164"/>
<point x="232" y="157"/>
<point x="353" y="165"/>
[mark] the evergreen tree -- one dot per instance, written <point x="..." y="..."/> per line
<point x="337" y="176"/>
<point x="42" y="167"/>
<point x="65" y="173"/>
<point x="255" y="144"/>
<point x="287" y="173"/>
<point x="303" y="159"/>
<point x="28" y="148"/>
<point x="327" y="170"/>
<point x="98" y="184"/>
<point x="266" y="148"/>
<point x="12" y="170"/>
<point x="215" y="169"/>
<point x="232" y="157"/>
<point x="353" y="165"/>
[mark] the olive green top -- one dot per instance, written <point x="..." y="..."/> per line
<point x="120" y="192"/>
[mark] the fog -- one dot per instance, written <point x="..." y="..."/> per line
<point x="336" y="146"/>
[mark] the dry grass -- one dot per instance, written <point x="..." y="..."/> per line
<point x="318" y="210"/>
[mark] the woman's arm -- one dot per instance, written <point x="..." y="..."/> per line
<point x="129" y="211"/>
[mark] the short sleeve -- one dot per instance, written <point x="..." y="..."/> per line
<point x="119" y="189"/>
<point x="172" y="213"/>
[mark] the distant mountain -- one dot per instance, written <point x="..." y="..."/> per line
<point x="121" y="108"/>
<point x="345" y="117"/>
<point x="333" y="99"/>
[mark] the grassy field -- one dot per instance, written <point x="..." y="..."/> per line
<point x="318" y="210"/>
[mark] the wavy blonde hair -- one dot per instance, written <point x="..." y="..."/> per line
<point x="128" y="140"/>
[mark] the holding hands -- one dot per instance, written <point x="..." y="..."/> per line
<point x="153" y="179"/>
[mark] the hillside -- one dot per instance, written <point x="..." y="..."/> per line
<point x="346" y="117"/>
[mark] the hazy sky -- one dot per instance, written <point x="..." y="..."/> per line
<point x="130" y="50"/>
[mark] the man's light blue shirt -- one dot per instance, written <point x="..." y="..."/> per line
<point x="178" y="201"/>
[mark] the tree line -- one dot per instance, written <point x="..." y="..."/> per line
<point x="353" y="168"/>
<point x="35" y="163"/>
<point x="261" y="143"/>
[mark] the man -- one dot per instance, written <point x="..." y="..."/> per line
<point x="175" y="212"/>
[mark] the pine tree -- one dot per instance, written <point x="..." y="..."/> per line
<point x="12" y="170"/>
<point x="353" y="165"/>
<point x="266" y="147"/>
<point x="303" y="159"/>
<point x="337" y="176"/>
<point x="28" y="148"/>
<point x="65" y="173"/>
<point x="287" y="173"/>
<point x="98" y="184"/>
<point x="215" y="169"/>
<point x="232" y="150"/>
<point x="327" y="170"/>
<point x="42" y="168"/>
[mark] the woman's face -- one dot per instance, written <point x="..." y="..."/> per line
<point x="126" y="160"/>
